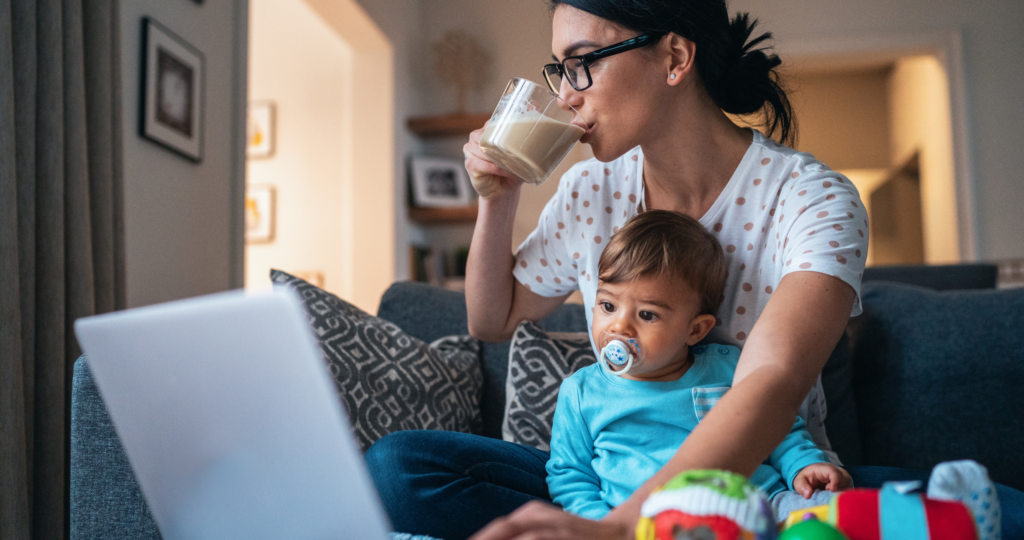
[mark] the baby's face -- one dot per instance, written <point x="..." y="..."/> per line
<point x="658" y="313"/>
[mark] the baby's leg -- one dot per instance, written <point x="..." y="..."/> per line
<point x="785" y="502"/>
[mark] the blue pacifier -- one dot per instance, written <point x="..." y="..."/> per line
<point x="619" y="350"/>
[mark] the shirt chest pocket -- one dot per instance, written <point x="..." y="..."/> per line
<point x="705" y="397"/>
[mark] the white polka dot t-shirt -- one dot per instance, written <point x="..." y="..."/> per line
<point x="781" y="212"/>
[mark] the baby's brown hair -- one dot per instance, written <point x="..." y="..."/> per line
<point x="662" y="243"/>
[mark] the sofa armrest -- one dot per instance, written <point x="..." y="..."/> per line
<point x="105" y="498"/>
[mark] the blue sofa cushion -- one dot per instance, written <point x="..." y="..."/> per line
<point x="390" y="381"/>
<point x="105" y="499"/>
<point x="938" y="376"/>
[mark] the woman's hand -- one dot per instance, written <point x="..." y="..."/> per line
<point x="536" y="520"/>
<point x="489" y="180"/>
<point x="820" y="476"/>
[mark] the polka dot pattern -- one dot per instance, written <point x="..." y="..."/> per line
<point x="762" y="242"/>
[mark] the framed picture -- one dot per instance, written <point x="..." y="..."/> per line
<point x="438" y="182"/>
<point x="259" y="214"/>
<point x="172" y="91"/>
<point x="261" y="130"/>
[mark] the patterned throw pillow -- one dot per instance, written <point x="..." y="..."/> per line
<point x="538" y="363"/>
<point x="390" y="381"/>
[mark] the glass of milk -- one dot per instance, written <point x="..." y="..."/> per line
<point x="531" y="131"/>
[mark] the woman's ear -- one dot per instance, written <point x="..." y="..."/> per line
<point x="681" y="58"/>
<point x="699" y="327"/>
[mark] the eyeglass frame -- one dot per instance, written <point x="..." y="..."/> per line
<point x="593" y="56"/>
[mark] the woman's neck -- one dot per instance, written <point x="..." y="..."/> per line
<point x="690" y="157"/>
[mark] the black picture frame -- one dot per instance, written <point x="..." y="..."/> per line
<point x="171" y="102"/>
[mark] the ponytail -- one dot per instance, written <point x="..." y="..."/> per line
<point x="740" y="74"/>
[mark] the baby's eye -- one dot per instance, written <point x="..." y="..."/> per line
<point x="607" y="307"/>
<point x="648" y="316"/>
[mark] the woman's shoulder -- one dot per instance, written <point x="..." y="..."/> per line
<point x="787" y="164"/>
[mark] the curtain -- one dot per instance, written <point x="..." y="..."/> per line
<point x="61" y="236"/>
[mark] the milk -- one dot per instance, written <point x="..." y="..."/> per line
<point x="531" y="145"/>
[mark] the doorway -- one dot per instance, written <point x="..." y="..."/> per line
<point x="323" y="181"/>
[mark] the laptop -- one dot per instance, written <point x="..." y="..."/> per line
<point x="230" y="419"/>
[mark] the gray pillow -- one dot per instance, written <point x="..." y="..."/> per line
<point x="388" y="380"/>
<point x="538" y="363"/>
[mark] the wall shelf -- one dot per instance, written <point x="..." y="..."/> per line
<point x="433" y="216"/>
<point x="451" y="125"/>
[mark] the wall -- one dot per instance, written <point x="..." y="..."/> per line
<point x="919" y="97"/>
<point x="843" y="116"/>
<point x="183" y="221"/>
<point x="401" y="23"/>
<point x="307" y="168"/>
<point x="982" y="39"/>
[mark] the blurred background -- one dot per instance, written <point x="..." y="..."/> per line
<point x="918" y="102"/>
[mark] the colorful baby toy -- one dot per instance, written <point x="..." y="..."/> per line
<point x="716" y="505"/>
<point x="706" y="505"/>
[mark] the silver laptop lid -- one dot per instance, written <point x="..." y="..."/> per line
<point x="230" y="421"/>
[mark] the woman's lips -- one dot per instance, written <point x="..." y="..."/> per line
<point x="589" y="130"/>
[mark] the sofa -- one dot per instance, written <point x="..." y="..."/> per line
<point x="922" y="377"/>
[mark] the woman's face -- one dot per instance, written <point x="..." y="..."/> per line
<point x="623" y="101"/>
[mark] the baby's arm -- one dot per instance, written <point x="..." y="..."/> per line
<point x="572" y="482"/>
<point x="796" y="453"/>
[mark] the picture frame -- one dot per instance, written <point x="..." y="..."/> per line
<point x="260" y="130"/>
<point x="260" y="214"/>
<point x="440" y="183"/>
<point x="171" y="103"/>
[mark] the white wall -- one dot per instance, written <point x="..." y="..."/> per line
<point x="300" y="63"/>
<point x="993" y="117"/>
<point x="183" y="221"/>
<point x="919" y="98"/>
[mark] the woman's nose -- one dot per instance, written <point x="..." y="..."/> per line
<point x="568" y="95"/>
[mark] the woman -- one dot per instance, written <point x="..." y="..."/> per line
<point x="655" y="93"/>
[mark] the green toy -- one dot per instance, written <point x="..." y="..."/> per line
<point x="812" y="529"/>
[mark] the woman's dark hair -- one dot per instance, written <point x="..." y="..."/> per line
<point x="739" y="73"/>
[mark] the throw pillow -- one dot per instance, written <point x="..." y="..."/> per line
<point x="538" y="363"/>
<point x="388" y="380"/>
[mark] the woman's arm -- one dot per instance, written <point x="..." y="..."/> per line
<point x="785" y="352"/>
<point x="782" y="358"/>
<point x="495" y="301"/>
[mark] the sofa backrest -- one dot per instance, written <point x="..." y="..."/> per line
<point x="937" y="377"/>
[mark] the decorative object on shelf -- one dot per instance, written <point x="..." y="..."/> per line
<point x="460" y="62"/>
<point x="172" y="91"/>
<point x="259" y="214"/>
<point x="260" y="130"/>
<point x="439" y="182"/>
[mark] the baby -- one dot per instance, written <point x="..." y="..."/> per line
<point x="618" y="422"/>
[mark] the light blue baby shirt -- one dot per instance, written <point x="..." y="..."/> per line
<point x="612" y="434"/>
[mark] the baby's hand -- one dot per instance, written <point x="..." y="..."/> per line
<point x="818" y="476"/>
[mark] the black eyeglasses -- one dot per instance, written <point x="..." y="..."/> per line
<point x="577" y="68"/>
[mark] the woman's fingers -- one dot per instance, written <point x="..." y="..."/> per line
<point x="540" y="521"/>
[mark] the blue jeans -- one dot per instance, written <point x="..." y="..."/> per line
<point x="449" y="485"/>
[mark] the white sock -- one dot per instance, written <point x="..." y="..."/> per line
<point x="967" y="481"/>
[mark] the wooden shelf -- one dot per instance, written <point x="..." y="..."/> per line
<point x="451" y="125"/>
<point x="456" y="214"/>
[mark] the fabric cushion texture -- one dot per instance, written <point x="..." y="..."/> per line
<point x="388" y="380"/>
<point x="937" y="377"/>
<point x="538" y="363"/>
<point x="429" y="313"/>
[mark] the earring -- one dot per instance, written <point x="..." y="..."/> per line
<point x="672" y="76"/>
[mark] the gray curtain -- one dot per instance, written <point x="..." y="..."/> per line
<point x="61" y="236"/>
